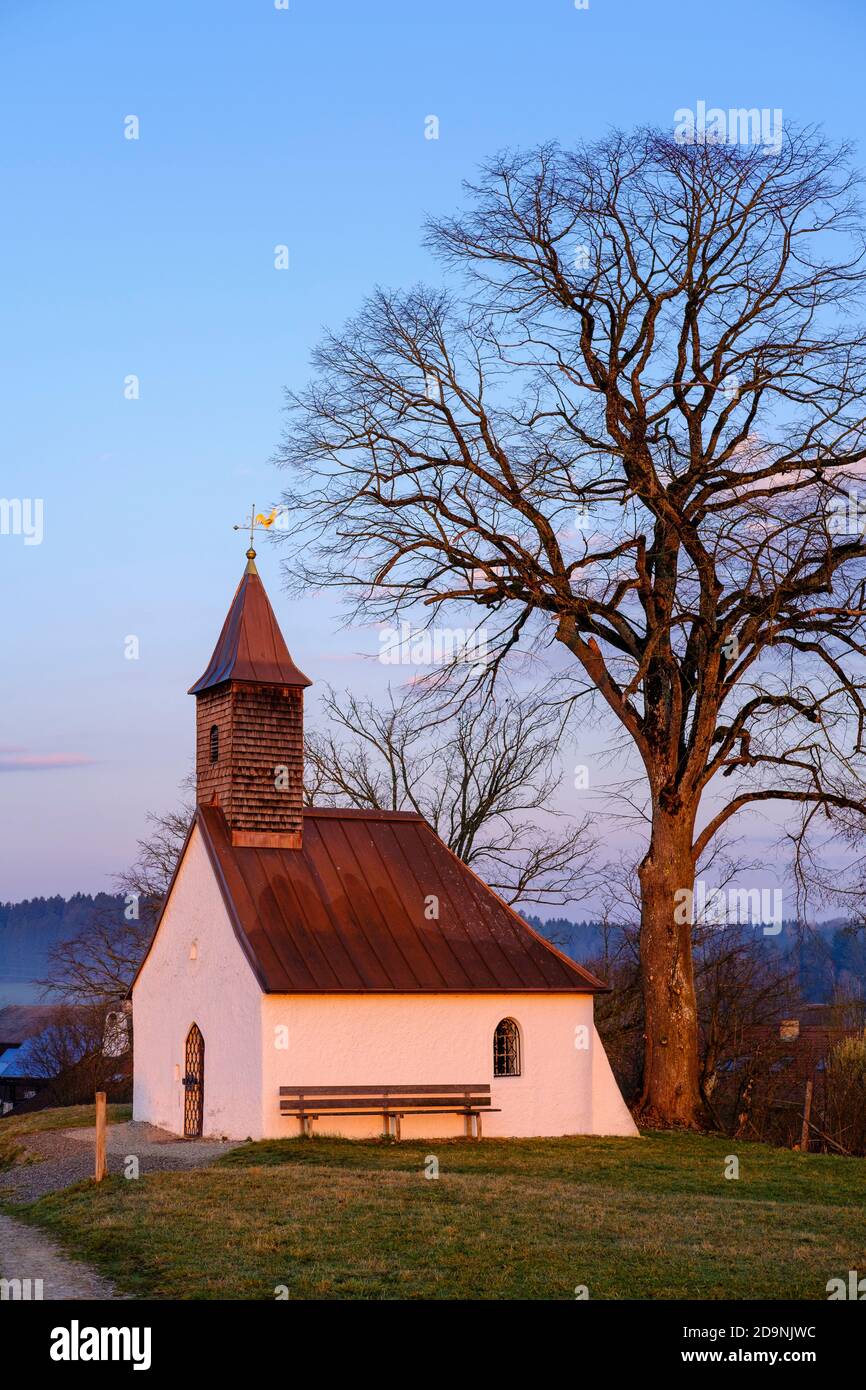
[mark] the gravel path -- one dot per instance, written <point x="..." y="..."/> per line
<point x="67" y="1157"/>
<point x="26" y="1253"/>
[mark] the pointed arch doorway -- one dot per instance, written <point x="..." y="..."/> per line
<point x="193" y="1084"/>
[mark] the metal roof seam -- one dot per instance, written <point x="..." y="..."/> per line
<point x="571" y="965"/>
<point x="323" y="901"/>
<point x="359" y="930"/>
<point x="278" y="940"/>
<point x="398" y="898"/>
<point x="458" y="917"/>
<point x="296" y="923"/>
<point x="360" y="923"/>
<point x="441" y="937"/>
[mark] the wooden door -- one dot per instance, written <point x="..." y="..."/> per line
<point x="193" y="1083"/>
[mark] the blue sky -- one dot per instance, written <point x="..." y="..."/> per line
<point x="155" y="258"/>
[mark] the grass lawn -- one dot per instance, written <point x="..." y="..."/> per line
<point x="643" y="1218"/>
<point x="37" y="1121"/>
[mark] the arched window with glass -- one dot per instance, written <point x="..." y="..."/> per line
<point x="506" y="1049"/>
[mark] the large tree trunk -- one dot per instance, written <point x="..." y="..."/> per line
<point x="671" y="1095"/>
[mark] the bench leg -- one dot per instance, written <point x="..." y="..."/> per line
<point x="467" y="1125"/>
<point x="397" y="1119"/>
<point x="478" y="1125"/>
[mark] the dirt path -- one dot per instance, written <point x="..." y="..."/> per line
<point x="27" y="1254"/>
<point x="66" y="1157"/>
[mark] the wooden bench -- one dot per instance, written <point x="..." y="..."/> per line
<point x="310" y="1103"/>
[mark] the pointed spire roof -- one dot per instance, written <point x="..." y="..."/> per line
<point x="251" y="646"/>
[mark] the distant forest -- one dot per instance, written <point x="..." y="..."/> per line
<point x="29" y="930"/>
<point x="829" y="956"/>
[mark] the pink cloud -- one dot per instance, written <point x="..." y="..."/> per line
<point x="16" y="760"/>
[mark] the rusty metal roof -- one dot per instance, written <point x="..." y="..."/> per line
<point x="348" y="912"/>
<point x="251" y="646"/>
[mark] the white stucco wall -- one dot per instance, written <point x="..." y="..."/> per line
<point x="565" y="1087"/>
<point x="218" y="991"/>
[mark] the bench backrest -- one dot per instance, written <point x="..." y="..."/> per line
<point x="388" y="1097"/>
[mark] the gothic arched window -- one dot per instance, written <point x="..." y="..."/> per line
<point x="506" y="1049"/>
<point x="214" y="743"/>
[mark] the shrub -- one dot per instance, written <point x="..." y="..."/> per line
<point x="845" y="1081"/>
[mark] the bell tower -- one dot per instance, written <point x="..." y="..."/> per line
<point x="250" y="724"/>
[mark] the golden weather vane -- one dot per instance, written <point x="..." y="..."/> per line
<point x="262" y="522"/>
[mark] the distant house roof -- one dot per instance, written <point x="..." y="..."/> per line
<point x="802" y="1054"/>
<point x="250" y="646"/>
<point x="18" y="1063"/>
<point x="353" y="912"/>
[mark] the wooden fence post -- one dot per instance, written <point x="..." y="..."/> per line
<point x="807" y="1114"/>
<point x="101" y="1165"/>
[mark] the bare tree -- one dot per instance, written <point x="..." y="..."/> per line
<point x="739" y="986"/>
<point x="149" y="875"/>
<point x="71" y="1056"/>
<point x="628" y="431"/>
<point x="483" y="776"/>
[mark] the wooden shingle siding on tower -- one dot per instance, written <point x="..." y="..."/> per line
<point x="212" y="779"/>
<point x="258" y="776"/>
<point x="267" y="736"/>
<point x="252" y="694"/>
